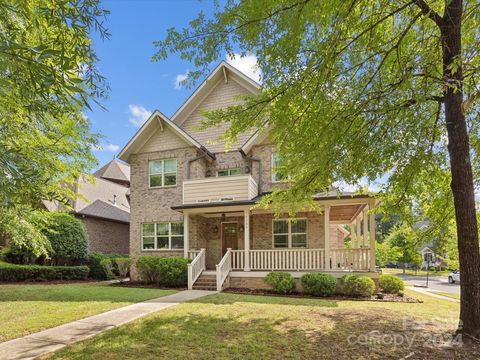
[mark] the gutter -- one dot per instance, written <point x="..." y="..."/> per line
<point x="189" y="163"/>
<point x="251" y="158"/>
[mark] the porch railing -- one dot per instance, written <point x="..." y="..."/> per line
<point x="192" y="254"/>
<point x="350" y="259"/>
<point x="223" y="268"/>
<point x="195" y="268"/>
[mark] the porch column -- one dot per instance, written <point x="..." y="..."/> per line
<point x="359" y="231"/>
<point x="365" y="226"/>
<point x="326" y="226"/>
<point x="246" y="233"/>
<point x="372" y="241"/>
<point x="186" y="234"/>
<point x="352" y="233"/>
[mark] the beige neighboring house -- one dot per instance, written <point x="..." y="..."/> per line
<point x="104" y="208"/>
<point x="189" y="197"/>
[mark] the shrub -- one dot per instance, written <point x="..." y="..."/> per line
<point x="281" y="282"/>
<point x="13" y="272"/>
<point x="68" y="238"/>
<point x="391" y="284"/>
<point x="167" y="271"/>
<point x="102" y="266"/>
<point x="355" y="285"/>
<point x="123" y="266"/>
<point x="318" y="284"/>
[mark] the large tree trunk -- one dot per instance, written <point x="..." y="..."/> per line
<point x="462" y="178"/>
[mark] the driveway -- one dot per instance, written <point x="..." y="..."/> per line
<point x="437" y="283"/>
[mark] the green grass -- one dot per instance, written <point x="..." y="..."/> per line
<point x="414" y="273"/>
<point x="447" y="294"/>
<point x="30" y="308"/>
<point x="231" y="326"/>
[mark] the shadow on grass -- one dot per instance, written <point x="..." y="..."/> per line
<point x="229" y="298"/>
<point x="77" y="293"/>
<point x="210" y="333"/>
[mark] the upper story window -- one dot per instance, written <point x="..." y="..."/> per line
<point x="290" y="233"/>
<point x="162" y="172"/>
<point x="276" y="176"/>
<point x="162" y="236"/>
<point x="228" y="172"/>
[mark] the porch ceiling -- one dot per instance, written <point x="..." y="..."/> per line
<point x="345" y="213"/>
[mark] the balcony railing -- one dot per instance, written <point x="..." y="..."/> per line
<point x="219" y="189"/>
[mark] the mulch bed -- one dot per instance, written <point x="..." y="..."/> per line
<point x="380" y="297"/>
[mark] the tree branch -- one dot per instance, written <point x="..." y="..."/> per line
<point x="470" y="100"/>
<point x="428" y="11"/>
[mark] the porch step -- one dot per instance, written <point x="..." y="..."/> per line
<point x="206" y="282"/>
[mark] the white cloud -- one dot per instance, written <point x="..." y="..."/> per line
<point x="179" y="79"/>
<point x="138" y="114"/>
<point x="107" y="147"/>
<point x="247" y="65"/>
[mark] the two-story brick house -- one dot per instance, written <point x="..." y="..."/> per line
<point x="190" y="197"/>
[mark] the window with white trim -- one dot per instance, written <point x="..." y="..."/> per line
<point x="162" y="172"/>
<point x="290" y="233"/>
<point x="162" y="236"/>
<point x="276" y="176"/>
<point x="228" y="172"/>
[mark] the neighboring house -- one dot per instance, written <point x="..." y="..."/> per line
<point x="189" y="197"/>
<point x="429" y="251"/>
<point x="104" y="208"/>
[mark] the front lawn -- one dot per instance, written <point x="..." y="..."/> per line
<point x="414" y="272"/>
<point x="447" y="294"/>
<point x="30" y="308"/>
<point x="232" y="326"/>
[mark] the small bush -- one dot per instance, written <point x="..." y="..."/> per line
<point x="123" y="266"/>
<point x="102" y="266"/>
<point x="166" y="271"/>
<point x="13" y="272"/>
<point x="282" y="282"/>
<point x="318" y="284"/>
<point x="391" y="284"/>
<point x="355" y="285"/>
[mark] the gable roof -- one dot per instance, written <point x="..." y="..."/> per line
<point x="223" y="71"/>
<point x="115" y="171"/>
<point x="148" y="128"/>
<point x="103" y="210"/>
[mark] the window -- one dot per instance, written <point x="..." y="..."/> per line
<point x="162" y="172"/>
<point x="228" y="172"/>
<point x="276" y="176"/>
<point x="290" y="233"/>
<point x="162" y="236"/>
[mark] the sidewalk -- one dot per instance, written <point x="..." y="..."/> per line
<point x="426" y="292"/>
<point x="43" y="342"/>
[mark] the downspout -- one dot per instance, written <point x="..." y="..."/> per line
<point x="251" y="158"/>
<point x="191" y="161"/>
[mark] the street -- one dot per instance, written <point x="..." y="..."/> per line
<point x="437" y="283"/>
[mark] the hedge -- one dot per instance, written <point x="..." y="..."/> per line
<point x="318" y="284"/>
<point x="103" y="266"/>
<point x="166" y="271"/>
<point x="13" y="272"/>
<point x="391" y="284"/>
<point x="281" y="282"/>
<point x="354" y="285"/>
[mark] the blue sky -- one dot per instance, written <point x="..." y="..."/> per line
<point x="138" y="85"/>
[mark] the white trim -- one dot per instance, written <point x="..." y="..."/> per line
<point x="154" y="223"/>
<point x="221" y="233"/>
<point x="228" y="172"/>
<point x="216" y="178"/>
<point x="163" y="174"/>
<point x="289" y="233"/>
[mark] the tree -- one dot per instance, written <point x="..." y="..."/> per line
<point x="383" y="89"/>
<point x="387" y="254"/>
<point x="47" y="79"/>
<point x="404" y="240"/>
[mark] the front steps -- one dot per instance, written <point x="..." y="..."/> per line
<point x="205" y="282"/>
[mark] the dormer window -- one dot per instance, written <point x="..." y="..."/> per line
<point x="229" y="172"/>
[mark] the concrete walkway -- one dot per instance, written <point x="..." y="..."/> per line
<point x="426" y="292"/>
<point x="43" y="342"/>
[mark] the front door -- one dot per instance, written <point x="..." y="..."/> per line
<point x="229" y="237"/>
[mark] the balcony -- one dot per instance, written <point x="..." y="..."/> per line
<point x="219" y="189"/>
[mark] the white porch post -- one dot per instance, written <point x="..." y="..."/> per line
<point x="186" y="234"/>
<point x="326" y="225"/>
<point x="246" y="233"/>
<point x="359" y="231"/>
<point x="365" y="226"/>
<point x="352" y="233"/>
<point x="372" y="241"/>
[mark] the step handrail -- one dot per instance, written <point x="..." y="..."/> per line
<point x="223" y="268"/>
<point x="195" y="268"/>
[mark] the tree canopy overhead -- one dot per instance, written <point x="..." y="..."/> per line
<point x="48" y="76"/>
<point x="360" y="90"/>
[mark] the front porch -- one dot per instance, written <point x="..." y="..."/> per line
<point x="251" y="247"/>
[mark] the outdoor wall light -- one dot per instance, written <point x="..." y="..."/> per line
<point x="241" y="228"/>
<point x="215" y="229"/>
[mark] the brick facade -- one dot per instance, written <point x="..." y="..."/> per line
<point x="107" y="236"/>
